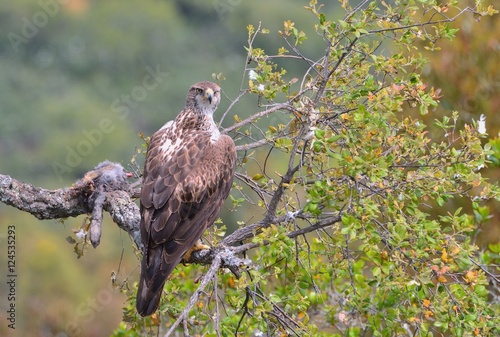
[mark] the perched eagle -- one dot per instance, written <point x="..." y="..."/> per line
<point x="188" y="174"/>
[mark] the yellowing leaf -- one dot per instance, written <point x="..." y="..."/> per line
<point x="470" y="277"/>
<point x="384" y="255"/>
<point x="258" y="176"/>
<point x="426" y="303"/>
<point x="444" y="255"/>
<point x="441" y="279"/>
<point x="155" y="319"/>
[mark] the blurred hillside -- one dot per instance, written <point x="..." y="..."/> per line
<point x="91" y="61"/>
<point x="79" y="82"/>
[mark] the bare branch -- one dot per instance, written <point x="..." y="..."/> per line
<point x="291" y="235"/>
<point x="253" y="145"/>
<point x="422" y="24"/>
<point x="233" y="102"/>
<point x="203" y="284"/>
<point x="258" y="115"/>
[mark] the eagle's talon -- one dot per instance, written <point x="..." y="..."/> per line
<point x="197" y="246"/>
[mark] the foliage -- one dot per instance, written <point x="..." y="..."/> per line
<point x="347" y="245"/>
<point x="467" y="70"/>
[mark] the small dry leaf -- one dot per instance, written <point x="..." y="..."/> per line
<point x="231" y="282"/>
<point x="444" y="256"/>
<point x="470" y="277"/>
<point x="444" y="270"/>
<point x="155" y="319"/>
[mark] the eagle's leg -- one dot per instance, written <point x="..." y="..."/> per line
<point x="197" y="246"/>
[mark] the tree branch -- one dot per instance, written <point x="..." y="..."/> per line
<point x="257" y="116"/>
<point x="192" y="301"/>
<point x="41" y="203"/>
<point x="105" y="187"/>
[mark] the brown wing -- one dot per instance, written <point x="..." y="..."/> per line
<point x="181" y="196"/>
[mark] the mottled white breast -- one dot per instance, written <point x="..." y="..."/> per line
<point x="168" y="147"/>
<point x="215" y="133"/>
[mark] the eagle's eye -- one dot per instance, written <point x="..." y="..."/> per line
<point x="199" y="91"/>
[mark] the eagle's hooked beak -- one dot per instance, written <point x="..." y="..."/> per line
<point x="209" y="94"/>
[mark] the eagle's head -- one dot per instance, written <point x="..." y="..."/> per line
<point x="204" y="97"/>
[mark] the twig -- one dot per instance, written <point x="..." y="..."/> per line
<point x="233" y="102"/>
<point x="245" y="309"/>
<point x="253" y="145"/>
<point x="291" y="235"/>
<point x="216" y="263"/>
<point x="423" y="24"/>
<point x="257" y="115"/>
<point x="494" y="277"/>
<point x="217" y="312"/>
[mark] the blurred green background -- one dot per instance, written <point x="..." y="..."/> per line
<point x="76" y="87"/>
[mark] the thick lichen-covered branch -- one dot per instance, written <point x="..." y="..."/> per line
<point x="104" y="188"/>
<point x="41" y="203"/>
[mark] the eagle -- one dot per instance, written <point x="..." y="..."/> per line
<point x="188" y="174"/>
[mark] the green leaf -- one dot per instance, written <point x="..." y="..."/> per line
<point x="319" y="133"/>
<point x="495" y="248"/>
<point x="481" y="290"/>
<point x="322" y="18"/>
